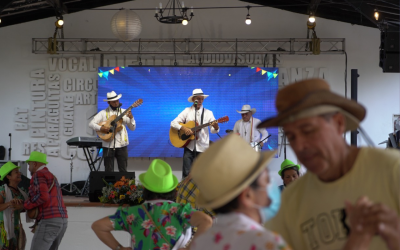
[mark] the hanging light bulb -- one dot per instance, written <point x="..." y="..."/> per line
<point x="185" y="21"/>
<point x="376" y="15"/>
<point x="248" y="19"/>
<point x="311" y="19"/>
<point x="60" y="23"/>
<point x="0" y="20"/>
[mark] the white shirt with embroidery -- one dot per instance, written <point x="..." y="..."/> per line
<point x="245" y="130"/>
<point x="236" y="231"/>
<point x="203" y="136"/>
<point x="121" y="138"/>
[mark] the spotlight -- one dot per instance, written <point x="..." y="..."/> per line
<point x="185" y="21"/>
<point x="0" y="20"/>
<point x="311" y="19"/>
<point x="60" y="23"/>
<point x="248" y="19"/>
<point x="376" y="15"/>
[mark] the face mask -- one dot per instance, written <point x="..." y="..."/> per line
<point x="274" y="194"/>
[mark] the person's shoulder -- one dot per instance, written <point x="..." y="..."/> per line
<point x="385" y="156"/>
<point x="262" y="237"/>
<point x="256" y="120"/>
<point x="296" y="188"/>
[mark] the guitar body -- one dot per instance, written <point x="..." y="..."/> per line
<point x="180" y="139"/>
<point x="109" y="136"/>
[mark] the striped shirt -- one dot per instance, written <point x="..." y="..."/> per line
<point x="50" y="204"/>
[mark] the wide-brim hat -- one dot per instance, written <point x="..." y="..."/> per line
<point x="288" y="164"/>
<point x="225" y="169"/>
<point x="7" y="168"/>
<point x="313" y="97"/>
<point x="159" y="178"/>
<point x="112" y="96"/>
<point x="197" y="92"/>
<point x="37" y="156"/>
<point x="246" y="108"/>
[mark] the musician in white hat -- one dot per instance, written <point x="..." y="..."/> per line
<point x="121" y="138"/>
<point x="195" y="147"/>
<point x="247" y="126"/>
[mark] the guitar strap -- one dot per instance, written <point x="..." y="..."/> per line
<point x="202" y="116"/>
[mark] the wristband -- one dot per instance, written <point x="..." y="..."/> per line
<point x="118" y="247"/>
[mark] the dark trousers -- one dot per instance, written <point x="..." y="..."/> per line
<point x="188" y="158"/>
<point x="121" y="154"/>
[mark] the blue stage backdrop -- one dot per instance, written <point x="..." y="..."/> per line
<point x="165" y="92"/>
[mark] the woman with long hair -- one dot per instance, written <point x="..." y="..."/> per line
<point x="10" y="193"/>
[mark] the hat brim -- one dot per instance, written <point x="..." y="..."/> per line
<point x="5" y="174"/>
<point x="29" y="160"/>
<point x="114" y="99"/>
<point x="190" y="99"/>
<point x="147" y="186"/>
<point x="227" y="197"/>
<point x="253" y="110"/>
<point x="353" y="109"/>
<point x="288" y="166"/>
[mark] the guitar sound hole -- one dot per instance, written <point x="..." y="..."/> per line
<point x="184" y="137"/>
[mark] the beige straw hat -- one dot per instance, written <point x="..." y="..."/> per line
<point x="225" y="169"/>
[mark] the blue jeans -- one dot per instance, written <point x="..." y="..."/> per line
<point x="49" y="234"/>
<point x="188" y="158"/>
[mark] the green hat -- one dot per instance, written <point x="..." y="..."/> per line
<point x="7" y="168"/>
<point x="287" y="164"/>
<point x="37" y="157"/>
<point x="159" y="177"/>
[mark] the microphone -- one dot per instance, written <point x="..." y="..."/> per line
<point x="228" y="131"/>
<point x="195" y="104"/>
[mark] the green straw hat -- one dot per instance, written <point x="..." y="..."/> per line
<point x="159" y="177"/>
<point x="37" y="157"/>
<point x="6" y="169"/>
<point x="288" y="164"/>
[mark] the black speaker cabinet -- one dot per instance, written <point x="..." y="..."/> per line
<point x="391" y="62"/>
<point x="96" y="182"/>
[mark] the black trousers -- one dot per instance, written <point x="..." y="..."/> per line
<point x="188" y="158"/>
<point x="121" y="154"/>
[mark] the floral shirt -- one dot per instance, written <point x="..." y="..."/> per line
<point x="172" y="219"/>
<point x="236" y="231"/>
<point x="12" y="243"/>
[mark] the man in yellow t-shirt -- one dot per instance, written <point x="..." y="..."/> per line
<point x="312" y="213"/>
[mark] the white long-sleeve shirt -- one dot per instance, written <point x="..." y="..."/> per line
<point x="121" y="138"/>
<point x="245" y="130"/>
<point x="203" y="141"/>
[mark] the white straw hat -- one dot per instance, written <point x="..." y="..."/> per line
<point x="197" y="92"/>
<point x="246" y="108"/>
<point x="112" y="96"/>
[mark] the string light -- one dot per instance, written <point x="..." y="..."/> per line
<point x="248" y="19"/>
<point x="376" y="15"/>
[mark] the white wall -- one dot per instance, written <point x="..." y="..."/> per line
<point x="377" y="91"/>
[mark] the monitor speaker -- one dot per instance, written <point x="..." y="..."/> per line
<point x="96" y="182"/>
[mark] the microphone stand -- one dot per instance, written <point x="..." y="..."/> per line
<point x="9" y="150"/>
<point x="195" y="132"/>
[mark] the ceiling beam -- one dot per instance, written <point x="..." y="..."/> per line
<point x="364" y="9"/>
<point x="4" y="4"/>
<point x="313" y="6"/>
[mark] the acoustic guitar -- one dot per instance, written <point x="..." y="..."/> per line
<point x="180" y="140"/>
<point x="115" y="121"/>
